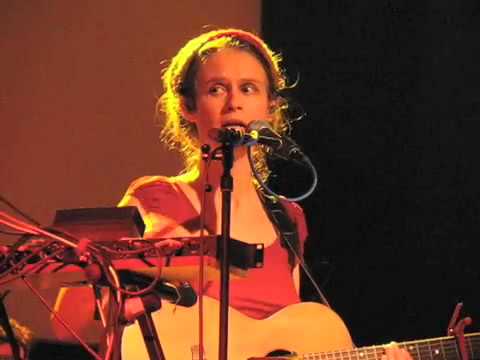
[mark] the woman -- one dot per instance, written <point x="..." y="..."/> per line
<point x="226" y="79"/>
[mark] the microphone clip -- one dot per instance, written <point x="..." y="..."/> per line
<point x="233" y="137"/>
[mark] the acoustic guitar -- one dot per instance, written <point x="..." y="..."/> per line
<point x="306" y="331"/>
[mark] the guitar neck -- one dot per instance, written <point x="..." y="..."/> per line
<point x="444" y="348"/>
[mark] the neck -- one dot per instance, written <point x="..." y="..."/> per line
<point x="244" y="198"/>
<point x="241" y="173"/>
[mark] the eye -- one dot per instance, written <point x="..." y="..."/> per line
<point x="249" y="88"/>
<point x="216" y="89"/>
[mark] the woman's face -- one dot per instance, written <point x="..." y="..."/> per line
<point x="231" y="90"/>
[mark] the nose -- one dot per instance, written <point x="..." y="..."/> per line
<point x="234" y="101"/>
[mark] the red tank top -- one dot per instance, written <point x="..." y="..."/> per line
<point x="265" y="290"/>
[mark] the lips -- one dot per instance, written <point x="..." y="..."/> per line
<point x="233" y="124"/>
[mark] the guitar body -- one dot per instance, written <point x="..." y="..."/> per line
<point x="300" y="328"/>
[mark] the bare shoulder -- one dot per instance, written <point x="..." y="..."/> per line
<point x="146" y="182"/>
<point x="161" y="201"/>
<point x="296" y="213"/>
<point x="150" y="190"/>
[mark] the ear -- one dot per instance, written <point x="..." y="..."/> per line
<point x="188" y="111"/>
<point x="273" y="105"/>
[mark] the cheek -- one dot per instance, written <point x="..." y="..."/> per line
<point x="208" y="105"/>
<point x="206" y="115"/>
<point x="263" y="109"/>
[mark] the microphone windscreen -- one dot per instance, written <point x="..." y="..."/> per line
<point x="265" y="134"/>
<point x="258" y="125"/>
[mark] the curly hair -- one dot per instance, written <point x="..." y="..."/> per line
<point x="179" y="89"/>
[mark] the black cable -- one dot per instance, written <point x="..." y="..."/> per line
<point x="276" y="196"/>
<point x="270" y="192"/>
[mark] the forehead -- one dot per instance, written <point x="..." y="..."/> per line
<point x="233" y="64"/>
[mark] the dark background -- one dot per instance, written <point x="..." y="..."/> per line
<point x="391" y="94"/>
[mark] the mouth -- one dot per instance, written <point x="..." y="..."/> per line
<point x="234" y="124"/>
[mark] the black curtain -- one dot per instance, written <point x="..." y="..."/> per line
<point x="392" y="100"/>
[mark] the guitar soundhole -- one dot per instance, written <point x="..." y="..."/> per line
<point x="280" y="353"/>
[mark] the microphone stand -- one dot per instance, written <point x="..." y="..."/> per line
<point x="226" y="186"/>
<point x="9" y="334"/>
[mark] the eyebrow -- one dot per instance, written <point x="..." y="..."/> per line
<point x="223" y="79"/>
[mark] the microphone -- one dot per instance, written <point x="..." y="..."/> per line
<point x="235" y="137"/>
<point x="181" y="293"/>
<point x="259" y="132"/>
<point x="282" y="147"/>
